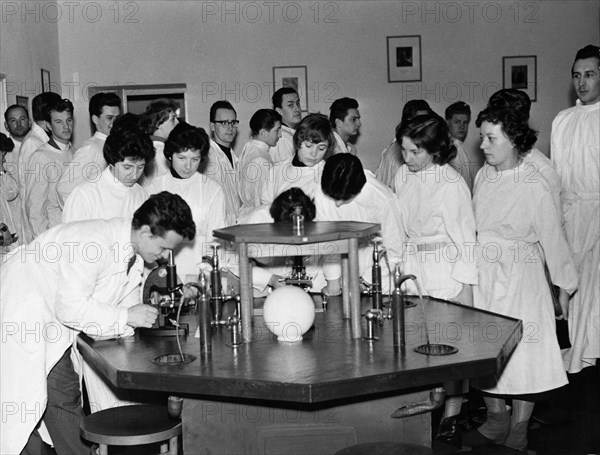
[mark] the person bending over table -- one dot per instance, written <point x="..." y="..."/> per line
<point x="85" y="277"/>
<point x="349" y="193"/>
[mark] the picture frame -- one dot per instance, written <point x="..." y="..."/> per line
<point x="45" y="80"/>
<point x="520" y="72"/>
<point x="295" y="77"/>
<point x="23" y="101"/>
<point x="404" y="58"/>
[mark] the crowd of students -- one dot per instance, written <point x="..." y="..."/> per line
<point x="519" y="236"/>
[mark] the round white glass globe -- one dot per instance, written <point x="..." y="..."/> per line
<point x="289" y="312"/>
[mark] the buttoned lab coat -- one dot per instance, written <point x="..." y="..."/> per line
<point x="220" y="169"/>
<point x="71" y="278"/>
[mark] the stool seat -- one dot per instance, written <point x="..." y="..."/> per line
<point x="385" y="448"/>
<point x="130" y="426"/>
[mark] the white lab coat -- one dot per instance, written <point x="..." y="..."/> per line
<point x="159" y="165"/>
<point x="33" y="141"/>
<point x="285" y="175"/>
<point x="284" y="150"/>
<point x="464" y="164"/>
<point x="340" y="145"/>
<point x="220" y="169"/>
<point x="106" y="198"/>
<point x="576" y="156"/>
<point x="87" y="166"/>
<point x="44" y="169"/>
<point x="375" y="204"/>
<point x="391" y="160"/>
<point x="71" y="278"/>
<point x="207" y="202"/>
<point x="515" y="218"/>
<point x="440" y="228"/>
<point x="253" y="171"/>
<point x="319" y="268"/>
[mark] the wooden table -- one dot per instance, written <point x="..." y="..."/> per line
<point x="329" y="373"/>
<point x="278" y="239"/>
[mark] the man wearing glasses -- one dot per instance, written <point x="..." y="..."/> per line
<point x="222" y="162"/>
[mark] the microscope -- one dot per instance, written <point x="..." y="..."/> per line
<point x="164" y="291"/>
<point x="298" y="277"/>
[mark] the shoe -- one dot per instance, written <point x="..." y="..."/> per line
<point x="448" y="432"/>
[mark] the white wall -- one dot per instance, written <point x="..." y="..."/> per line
<point x="28" y="43"/>
<point x="224" y="50"/>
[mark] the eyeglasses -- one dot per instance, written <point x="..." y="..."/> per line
<point x="226" y="123"/>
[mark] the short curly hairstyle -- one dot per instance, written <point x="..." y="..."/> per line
<point x="128" y="143"/>
<point x="429" y="132"/>
<point x="285" y="204"/>
<point x="513" y="124"/>
<point x="187" y="137"/>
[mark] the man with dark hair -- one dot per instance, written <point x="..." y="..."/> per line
<point x="17" y="123"/>
<point x="458" y="117"/>
<point x="40" y="130"/>
<point x="160" y="118"/>
<point x="77" y="277"/>
<point x="345" y="120"/>
<point x="575" y="151"/>
<point x="222" y="163"/>
<point x="350" y="193"/>
<point x="46" y="165"/>
<point x="88" y="161"/>
<point x="287" y="104"/>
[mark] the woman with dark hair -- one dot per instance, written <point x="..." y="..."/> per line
<point x="350" y="193"/>
<point x="518" y="229"/>
<point x="435" y="203"/>
<point x="313" y="140"/>
<point x="324" y="271"/>
<point x="391" y="157"/>
<point x="117" y="193"/>
<point x="185" y="150"/>
<point x="255" y="161"/>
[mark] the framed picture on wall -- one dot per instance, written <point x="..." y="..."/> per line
<point x="45" y="80"/>
<point x="404" y="58"/>
<point x="294" y="77"/>
<point x="520" y="72"/>
<point x="23" y="101"/>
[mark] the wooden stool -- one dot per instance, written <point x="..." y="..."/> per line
<point x="132" y="426"/>
<point x="385" y="448"/>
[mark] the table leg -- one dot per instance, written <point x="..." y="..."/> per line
<point x="245" y="291"/>
<point x="354" y="287"/>
<point x="345" y="287"/>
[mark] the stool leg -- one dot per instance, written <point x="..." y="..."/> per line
<point x="102" y="449"/>
<point x="173" y="445"/>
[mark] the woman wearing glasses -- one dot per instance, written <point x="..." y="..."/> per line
<point x="255" y="162"/>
